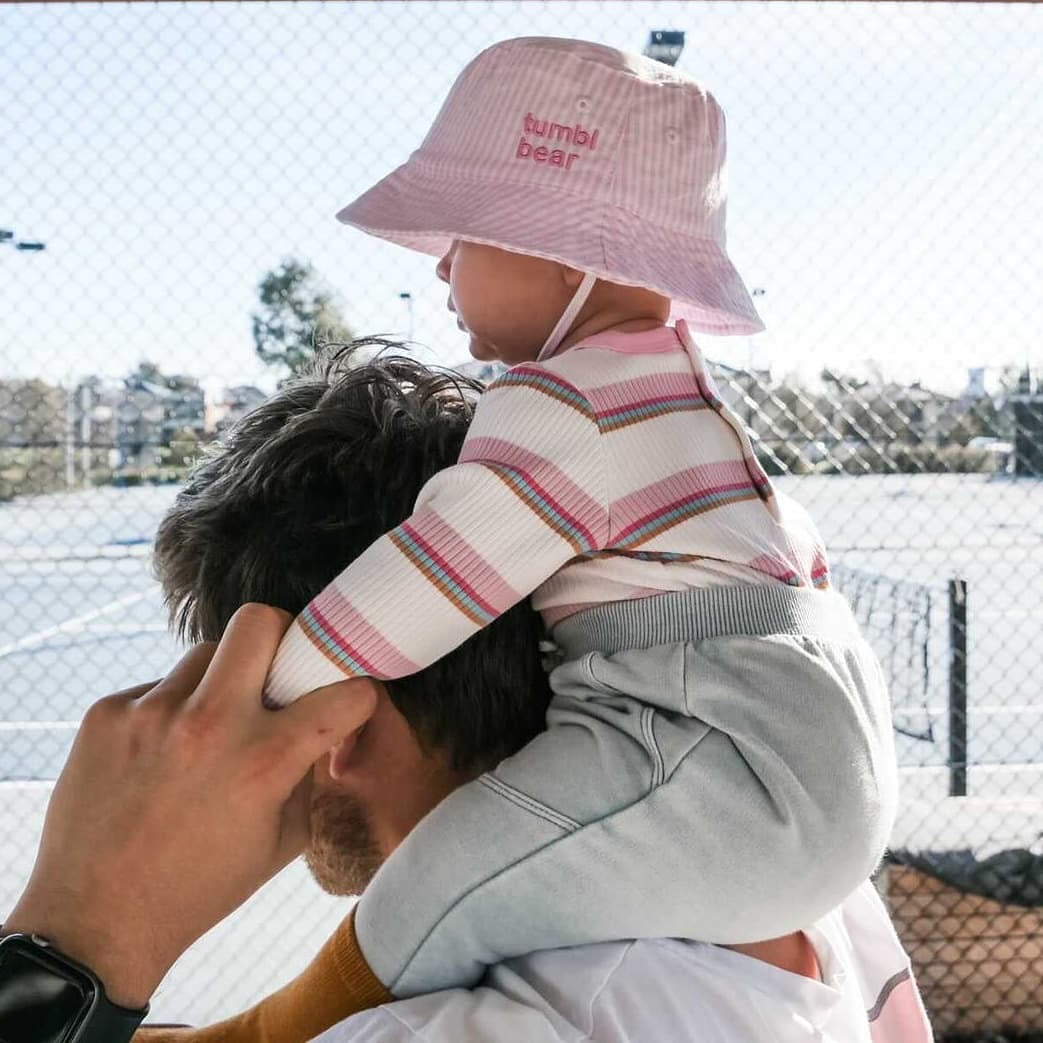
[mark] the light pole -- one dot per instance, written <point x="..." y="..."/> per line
<point x="408" y="299"/>
<point x="757" y="291"/>
<point x="664" y="45"/>
<point x="751" y="380"/>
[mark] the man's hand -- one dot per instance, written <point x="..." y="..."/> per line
<point x="179" y="800"/>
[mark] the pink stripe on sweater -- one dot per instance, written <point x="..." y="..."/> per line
<point x="571" y="499"/>
<point x="463" y="565"/>
<point x="654" y="400"/>
<point x="774" y="566"/>
<point x="339" y="618"/>
<point x="629" y="392"/>
<point x="638" y="506"/>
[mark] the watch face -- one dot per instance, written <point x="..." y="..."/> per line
<point x="40" y="1000"/>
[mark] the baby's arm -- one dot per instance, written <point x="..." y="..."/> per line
<point x="528" y="494"/>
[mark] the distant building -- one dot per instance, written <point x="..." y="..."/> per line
<point x="1027" y="406"/>
<point x="747" y="392"/>
<point x="977" y="381"/>
<point x="231" y="406"/>
<point x="1001" y="452"/>
<point x="134" y="418"/>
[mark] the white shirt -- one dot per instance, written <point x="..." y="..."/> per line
<point x="668" y="991"/>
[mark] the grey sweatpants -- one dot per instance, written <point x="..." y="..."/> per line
<point x="718" y="765"/>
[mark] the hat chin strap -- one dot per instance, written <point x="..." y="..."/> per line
<point x="568" y="317"/>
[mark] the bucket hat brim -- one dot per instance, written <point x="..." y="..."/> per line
<point x="426" y="212"/>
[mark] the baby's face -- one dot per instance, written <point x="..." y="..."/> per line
<point x="507" y="303"/>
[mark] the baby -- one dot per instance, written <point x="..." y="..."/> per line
<point x="718" y="761"/>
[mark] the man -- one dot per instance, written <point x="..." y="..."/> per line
<point x="302" y="486"/>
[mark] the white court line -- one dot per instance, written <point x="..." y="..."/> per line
<point x="71" y="625"/>
<point x="127" y="628"/>
<point x="941" y="711"/>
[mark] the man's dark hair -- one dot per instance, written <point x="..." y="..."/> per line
<point x="301" y="486"/>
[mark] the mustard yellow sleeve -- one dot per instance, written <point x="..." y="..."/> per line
<point x="336" y="984"/>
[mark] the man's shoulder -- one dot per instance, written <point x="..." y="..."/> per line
<point x="606" y="993"/>
<point x="545" y="997"/>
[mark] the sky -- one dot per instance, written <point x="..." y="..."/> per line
<point x="884" y="170"/>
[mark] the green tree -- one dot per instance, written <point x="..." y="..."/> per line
<point x="297" y="310"/>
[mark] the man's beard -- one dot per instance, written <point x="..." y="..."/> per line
<point x="343" y="855"/>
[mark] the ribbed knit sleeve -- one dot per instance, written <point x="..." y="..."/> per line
<point x="335" y="985"/>
<point x="528" y="494"/>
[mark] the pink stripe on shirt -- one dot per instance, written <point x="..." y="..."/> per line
<point x="608" y="397"/>
<point x="551" y="483"/>
<point x="637" y="507"/>
<point x="461" y="574"/>
<point x="352" y="634"/>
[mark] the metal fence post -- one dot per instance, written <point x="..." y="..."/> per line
<point x="957" y="688"/>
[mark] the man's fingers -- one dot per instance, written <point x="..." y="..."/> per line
<point x="246" y="650"/>
<point x="184" y="678"/>
<point x="130" y="694"/>
<point x="320" y="719"/>
<point x="296" y="822"/>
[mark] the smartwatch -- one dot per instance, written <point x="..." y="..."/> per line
<point x="46" y="997"/>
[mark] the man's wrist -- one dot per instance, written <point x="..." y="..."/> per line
<point x="44" y="992"/>
<point x="127" y="981"/>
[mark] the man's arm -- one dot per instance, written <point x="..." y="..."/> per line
<point x="178" y="801"/>
<point x="335" y="985"/>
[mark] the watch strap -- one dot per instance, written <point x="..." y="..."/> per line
<point x="109" y="1023"/>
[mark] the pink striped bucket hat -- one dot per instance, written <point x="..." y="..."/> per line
<point x="608" y="162"/>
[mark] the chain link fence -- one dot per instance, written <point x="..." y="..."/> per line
<point x="167" y="244"/>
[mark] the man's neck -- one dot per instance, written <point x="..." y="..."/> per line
<point x="793" y="953"/>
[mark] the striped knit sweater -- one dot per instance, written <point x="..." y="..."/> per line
<point x="611" y="471"/>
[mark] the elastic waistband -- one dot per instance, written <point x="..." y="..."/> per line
<point x="694" y="615"/>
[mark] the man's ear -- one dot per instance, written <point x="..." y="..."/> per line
<point x="340" y="756"/>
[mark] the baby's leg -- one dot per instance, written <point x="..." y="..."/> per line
<point x="442" y="908"/>
<point x="731" y="789"/>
